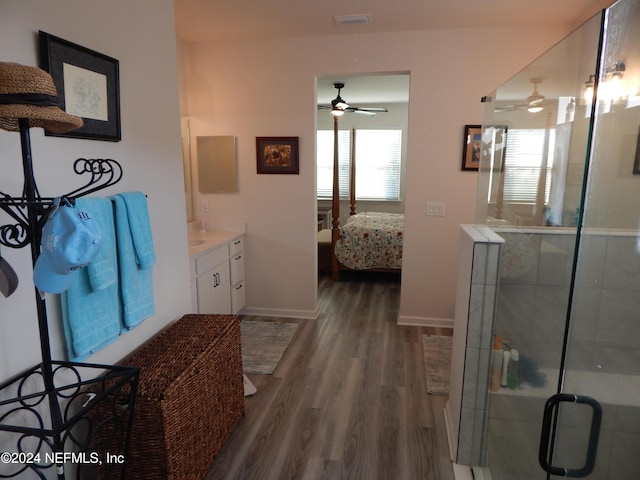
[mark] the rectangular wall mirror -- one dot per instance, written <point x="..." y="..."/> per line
<point x="217" y="165"/>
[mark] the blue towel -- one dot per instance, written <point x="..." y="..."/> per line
<point x="135" y="257"/>
<point x="91" y="305"/>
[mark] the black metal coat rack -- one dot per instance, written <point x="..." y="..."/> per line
<point x="78" y="415"/>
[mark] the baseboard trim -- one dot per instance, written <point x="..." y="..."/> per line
<point x="425" y="321"/>
<point x="274" y="312"/>
<point x="447" y="423"/>
<point x="460" y="472"/>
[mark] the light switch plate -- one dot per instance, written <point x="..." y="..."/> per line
<point x="435" y="209"/>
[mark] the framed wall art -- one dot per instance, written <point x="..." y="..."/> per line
<point x="636" y="161"/>
<point x="277" y="155"/>
<point x="471" y="144"/>
<point x="88" y="86"/>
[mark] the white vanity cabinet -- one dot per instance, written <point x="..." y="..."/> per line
<point x="218" y="278"/>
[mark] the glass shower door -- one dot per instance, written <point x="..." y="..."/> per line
<point x="560" y="185"/>
<point x="602" y="357"/>
<point x="530" y="189"/>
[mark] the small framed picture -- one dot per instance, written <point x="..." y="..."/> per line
<point x="88" y="86"/>
<point x="277" y="155"/>
<point x="471" y="145"/>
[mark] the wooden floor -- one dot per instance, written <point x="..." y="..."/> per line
<point x="348" y="399"/>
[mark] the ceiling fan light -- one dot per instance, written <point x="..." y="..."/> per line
<point x="337" y="112"/>
<point x="535" y="101"/>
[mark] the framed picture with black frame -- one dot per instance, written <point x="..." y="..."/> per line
<point x="471" y="145"/>
<point x="636" y="161"/>
<point x="277" y="155"/>
<point x="88" y="85"/>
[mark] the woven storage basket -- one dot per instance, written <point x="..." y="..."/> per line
<point x="190" y="397"/>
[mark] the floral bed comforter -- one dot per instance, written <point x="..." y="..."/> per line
<point x="371" y="240"/>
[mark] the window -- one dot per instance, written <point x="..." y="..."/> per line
<point x="378" y="156"/>
<point x="523" y="160"/>
<point x="324" y="158"/>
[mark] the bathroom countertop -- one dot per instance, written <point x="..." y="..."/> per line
<point x="208" y="240"/>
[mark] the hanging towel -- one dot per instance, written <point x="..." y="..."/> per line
<point x="91" y="305"/>
<point x="135" y="257"/>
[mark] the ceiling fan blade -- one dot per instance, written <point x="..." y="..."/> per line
<point x="363" y="112"/>
<point x="339" y="104"/>
<point x="373" y="109"/>
<point x="367" y="110"/>
<point x="511" y="108"/>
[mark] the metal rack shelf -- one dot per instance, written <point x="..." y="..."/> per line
<point x="62" y="415"/>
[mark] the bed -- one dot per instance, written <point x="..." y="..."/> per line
<point x="367" y="241"/>
<point x="371" y="240"/>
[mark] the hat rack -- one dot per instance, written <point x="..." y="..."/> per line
<point x="69" y="407"/>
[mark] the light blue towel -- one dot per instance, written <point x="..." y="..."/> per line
<point x="91" y="305"/>
<point x="135" y="257"/>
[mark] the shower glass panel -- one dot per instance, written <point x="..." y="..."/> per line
<point x="559" y="181"/>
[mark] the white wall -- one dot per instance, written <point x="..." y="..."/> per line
<point x="141" y="36"/>
<point x="267" y="88"/>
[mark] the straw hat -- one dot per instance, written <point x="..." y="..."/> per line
<point x="29" y="92"/>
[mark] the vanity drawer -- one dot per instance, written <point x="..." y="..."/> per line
<point x="237" y="298"/>
<point x="236" y="246"/>
<point x="212" y="258"/>
<point x="237" y="267"/>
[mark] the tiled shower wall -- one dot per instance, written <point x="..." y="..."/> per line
<point x="535" y="276"/>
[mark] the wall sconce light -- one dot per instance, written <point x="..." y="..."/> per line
<point x="613" y="86"/>
<point x="610" y="88"/>
<point x="586" y="92"/>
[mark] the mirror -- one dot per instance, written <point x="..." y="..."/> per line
<point x="217" y="166"/>
<point x="186" y="166"/>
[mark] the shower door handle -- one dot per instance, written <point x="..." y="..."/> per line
<point x="596" y="418"/>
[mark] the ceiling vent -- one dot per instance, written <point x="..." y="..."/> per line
<point x="352" y="19"/>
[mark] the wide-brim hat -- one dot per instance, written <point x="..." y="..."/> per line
<point x="29" y="92"/>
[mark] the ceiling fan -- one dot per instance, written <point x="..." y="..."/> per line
<point x="535" y="101"/>
<point x="339" y="106"/>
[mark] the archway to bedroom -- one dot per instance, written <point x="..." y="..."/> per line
<point x="371" y="137"/>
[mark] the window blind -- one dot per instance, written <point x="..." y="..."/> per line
<point x="378" y="154"/>
<point x="523" y="160"/>
<point x="378" y="163"/>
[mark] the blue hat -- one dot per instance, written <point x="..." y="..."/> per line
<point x="70" y="241"/>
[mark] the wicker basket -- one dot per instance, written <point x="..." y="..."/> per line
<point x="190" y="397"/>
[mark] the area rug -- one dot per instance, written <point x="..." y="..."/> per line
<point x="263" y="344"/>
<point x="437" y="362"/>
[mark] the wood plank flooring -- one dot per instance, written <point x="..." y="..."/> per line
<point x="348" y="399"/>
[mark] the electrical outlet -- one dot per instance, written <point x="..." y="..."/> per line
<point x="204" y="206"/>
<point x="435" y="209"/>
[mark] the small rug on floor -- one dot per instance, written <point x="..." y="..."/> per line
<point x="437" y="362"/>
<point x="263" y="344"/>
